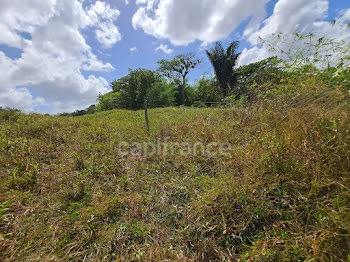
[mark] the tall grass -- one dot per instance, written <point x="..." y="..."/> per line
<point x="281" y="194"/>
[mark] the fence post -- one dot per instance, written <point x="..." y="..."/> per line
<point x="146" y="114"/>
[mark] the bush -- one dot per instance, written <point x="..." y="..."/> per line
<point x="108" y="101"/>
<point x="208" y="92"/>
<point x="8" y="114"/>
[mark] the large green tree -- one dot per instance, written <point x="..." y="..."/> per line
<point x="177" y="70"/>
<point x="207" y="91"/>
<point x="138" y="84"/>
<point x="133" y="87"/>
<point x="224" y="62"/>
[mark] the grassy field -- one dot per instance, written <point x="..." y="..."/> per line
<point x="280" y="194"/>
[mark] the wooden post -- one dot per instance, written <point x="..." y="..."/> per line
<point x="146" y="114"/>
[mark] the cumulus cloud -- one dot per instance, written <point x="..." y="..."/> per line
<point x="164" y="48"/>
<point x="183" y="21"/>
<point x="55" y="54"/>
<point x="20" y="96"/>
<point x="252" y="55"/>
<point x="22" y="16"/>
<point x="103" y="16"/>
<point x="289" y="17"/>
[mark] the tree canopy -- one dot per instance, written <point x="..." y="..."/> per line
<point x="224" y="62"/>
<point x="177" y="70"/>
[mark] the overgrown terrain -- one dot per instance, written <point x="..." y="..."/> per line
<point x="281" y="194"/>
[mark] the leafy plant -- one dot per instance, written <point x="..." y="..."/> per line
<point x="224" y="62"/>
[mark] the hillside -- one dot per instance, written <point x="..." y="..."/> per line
<point x="279" y="192"/>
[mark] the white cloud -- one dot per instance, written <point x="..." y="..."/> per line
<point x="164" y="48"/>
<point x="252" y="55"/>
<point x="294" y="16"/>
<point x="18" y="16"/>
<point x="54" y="57"/>
<point x="346" y="15"/>
<point x="108" y="35"/>
<point x="102" y="15"/>
<point x="289" y="16"/>
<point x="183" y="21"/>
<point x="133" y="49"/>
<point x="12" y="97"/>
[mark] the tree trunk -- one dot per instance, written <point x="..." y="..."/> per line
<point x="182" y="92"/>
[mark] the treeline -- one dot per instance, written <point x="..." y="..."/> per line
<point x="168" y="86"/>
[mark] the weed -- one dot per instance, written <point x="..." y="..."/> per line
<point x="280" y="194"/>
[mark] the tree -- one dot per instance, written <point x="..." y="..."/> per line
<point x="134" y="87"/>
<point x="224" y="62"/>
<point x="255" y="78"/>
<point x="162" y="94"/>
<point x="177" y="70"/>
<point x="207" y="91"/>
<point x="130" y="91"/>
<point x="108" y="101"/>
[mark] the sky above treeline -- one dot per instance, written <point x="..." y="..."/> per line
<point x="59" y="55"/>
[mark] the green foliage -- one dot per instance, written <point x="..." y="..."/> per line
<point x="234" y="100"/>
<point x="108" y="101"/>
<point x="338" y="77"/>
<point x="8" y="114"/>
<point x="162" y="94"/>
<point x="199" y="104"/>
<point x="129" y="91"/>
<point x="177" y="70"/>
<point x="90" y="110"/>
<point x="224" y="62"/>
<point x="207" y="92"/>
<point x="4" y="208"/>
<point x="190" y="95"/>
<point x="257" y="78"/>
<point x="280" y="194"/>
<point x="23" y="179"/>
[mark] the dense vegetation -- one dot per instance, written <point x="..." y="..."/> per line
<point x="168" y="85"/>
<point x="282" y="193"/>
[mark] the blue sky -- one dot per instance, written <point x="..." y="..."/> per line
<point x="59" y="55"/>
<point x="122" y="58"/>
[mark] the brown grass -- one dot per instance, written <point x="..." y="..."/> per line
<point x="282" y="194"/>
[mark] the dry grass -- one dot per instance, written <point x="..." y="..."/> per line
<point x="282" y="194"/>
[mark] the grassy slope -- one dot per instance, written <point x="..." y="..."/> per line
<point x="281" y="194"/>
